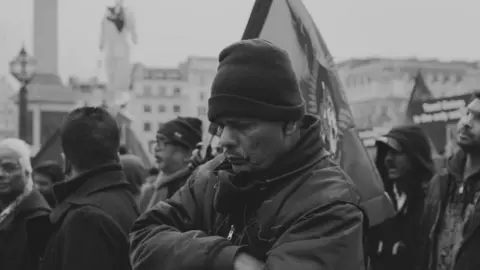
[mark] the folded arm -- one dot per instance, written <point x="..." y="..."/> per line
<point x="326" y="238"/>
<point x="169" y="236"/>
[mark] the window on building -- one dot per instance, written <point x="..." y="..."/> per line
<point x="162" y="108"/>
<point x="162" y="90"/>
<point x="147" y="108"/>
<point x="202" y="96"/>
<point x="177" y="91"/>
<point x="176" y="109"/>
<point x="147" y="126"/>
<point x="160" y="125"/>
<point x="202" y="111"/>
<point x="147" y="89"/>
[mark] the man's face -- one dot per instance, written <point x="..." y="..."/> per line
<point x="468" y="137"/>
<point x="170" y="157"/>
<point x="12" y="175"/>
<point x="397" y="162"/>
<point x="251" y="145"/>
<point x="43" y="183"/>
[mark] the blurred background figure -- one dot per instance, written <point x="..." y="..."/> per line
<point x="152" y="175"/>
<point x="176" y="141"/>
<point x="123" y="150"/>
<point x="21" y="207"/>
<point x="45" y="176"/>
<point x="135" y="172"/>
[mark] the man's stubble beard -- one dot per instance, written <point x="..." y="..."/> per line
<point x="471" y="148"/>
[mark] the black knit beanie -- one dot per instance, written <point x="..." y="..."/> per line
<point x="255" y="79"/>
<point x="185" y="131"/>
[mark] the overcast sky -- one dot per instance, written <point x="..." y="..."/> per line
<point x="170" y="30"/>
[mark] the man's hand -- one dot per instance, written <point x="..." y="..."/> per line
<point x="243" y="261"/>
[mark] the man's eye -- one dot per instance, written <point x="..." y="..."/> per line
<point x="9" y="167"/>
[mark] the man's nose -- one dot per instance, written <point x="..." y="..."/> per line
<point x="465" y="122"/>
<point x="227" y="138"/>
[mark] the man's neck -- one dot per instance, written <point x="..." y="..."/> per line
<point x="472" y="165"/>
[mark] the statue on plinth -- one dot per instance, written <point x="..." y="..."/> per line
<point x="117" y="32"/>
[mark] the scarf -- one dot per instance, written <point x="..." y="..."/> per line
<point x="7" y="213"/>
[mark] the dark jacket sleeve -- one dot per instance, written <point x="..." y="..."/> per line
<point x="428" y="220"/>
<point x="169" y="236"/>
<point x="92" y="241"/>
<point x="326" y="238"/>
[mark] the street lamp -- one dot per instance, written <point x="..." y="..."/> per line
<point x="23" y="68"/>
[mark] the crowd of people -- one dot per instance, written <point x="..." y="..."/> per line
<point x="273" y="198"/>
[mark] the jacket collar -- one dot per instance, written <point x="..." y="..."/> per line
<point x="77" y="190"/>
<point x="97" y="179"/>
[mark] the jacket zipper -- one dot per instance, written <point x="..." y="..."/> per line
<point x="231" y="232"/>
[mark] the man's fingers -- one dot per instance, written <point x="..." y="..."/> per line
<point x="207" y="169"/>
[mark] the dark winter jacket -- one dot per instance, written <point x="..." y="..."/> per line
<point x="394" y="244"/>
<point x="19" y="249"/>
<point x="441" y="190"/>
<point x="303" y="214"/>
<point x="90" y="225"/>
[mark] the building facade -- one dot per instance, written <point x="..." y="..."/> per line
<point x="378" y="89"/>
<point x="374" y="78"/>
<point x="160" y="94"/>
<point x="200" y="72"/>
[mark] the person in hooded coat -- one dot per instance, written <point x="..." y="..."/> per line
<point x="404" y="161"/>
<point x="21" y="208"/>
<point x="274" y="199"/>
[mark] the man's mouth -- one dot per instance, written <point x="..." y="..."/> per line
<point x="236" y="160"/>
<point x="392" y="170"/>
<point x="464" y="135"/>
<point x="4" y="186"/>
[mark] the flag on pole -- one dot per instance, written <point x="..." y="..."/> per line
<point x="420" y="92"/>
<point x="288" y="24"/>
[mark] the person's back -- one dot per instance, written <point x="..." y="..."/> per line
<point x="96" y="207"/>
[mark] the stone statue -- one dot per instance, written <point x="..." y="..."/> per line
<point x="117" y="32"/>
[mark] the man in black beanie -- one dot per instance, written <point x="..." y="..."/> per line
<point x="404" y="161"/>
<point x="176" y="140"/>
<point x="274" y="199"/>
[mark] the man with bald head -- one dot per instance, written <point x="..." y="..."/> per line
<point x="20" y="208"/>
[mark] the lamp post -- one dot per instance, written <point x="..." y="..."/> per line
<point x="23" y="68"/>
